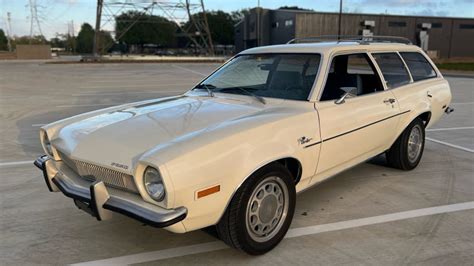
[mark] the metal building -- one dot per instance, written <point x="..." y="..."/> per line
<point x="442" y="36"/>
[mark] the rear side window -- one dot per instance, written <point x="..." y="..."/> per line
<point x="393" y="69"/>
<point x="419" y="67"/>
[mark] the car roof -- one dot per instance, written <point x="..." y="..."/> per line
<point x="328" y="47"/>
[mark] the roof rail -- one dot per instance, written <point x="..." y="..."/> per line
<point x="352" y="38"/>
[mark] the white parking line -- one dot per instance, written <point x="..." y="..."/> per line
<point x="7" y="164"/>
<point x="461" y="103"/>
<point x="296" y="232"/>
<point x="138" y="86"/>
<point x="122" y="92"/>
<point x="448" y="128"/>
<point x="450" y="145"/>
<point x="87" y="105"/>
<point x="190" y="70"/>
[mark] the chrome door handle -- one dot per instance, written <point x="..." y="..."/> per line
<point x="391" y="100"/>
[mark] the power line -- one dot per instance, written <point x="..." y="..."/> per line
<point x="189" y="16"/>
<point x="34" y="19"/>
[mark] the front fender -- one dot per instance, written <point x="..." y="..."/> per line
<point x="228" y="155"/>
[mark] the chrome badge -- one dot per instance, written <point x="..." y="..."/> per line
<point x="304" y="140"/>
<point x="118" y="165"/>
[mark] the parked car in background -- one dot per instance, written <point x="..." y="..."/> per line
<point x="234" y="150"/>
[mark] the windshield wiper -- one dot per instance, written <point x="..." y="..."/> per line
<point x="259" y="98"/>
<point x="207" y="87"/>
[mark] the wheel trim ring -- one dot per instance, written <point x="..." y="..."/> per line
<point x="277" y="221"/>
<point x="415" y="142"/>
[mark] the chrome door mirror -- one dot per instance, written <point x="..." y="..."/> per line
<point x="348" y="92"/>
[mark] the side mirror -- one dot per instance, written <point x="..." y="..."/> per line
<point x="348" y="92"/>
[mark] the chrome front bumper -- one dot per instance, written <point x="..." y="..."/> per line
<point x="101" y="201"/>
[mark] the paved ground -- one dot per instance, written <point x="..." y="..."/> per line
<point x="368" y="215"/>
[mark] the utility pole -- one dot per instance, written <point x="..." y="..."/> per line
<point x="258" y="23"/>
<point x="95" y="46"/>
<point x="340" y="21"/>
<point x="70" y="42"/>
<point x="9" y="31"/>
<point x="207" y="30"/>
<point x="73" y="37"/>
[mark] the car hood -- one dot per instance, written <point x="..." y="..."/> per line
<point x="121" y="136"/>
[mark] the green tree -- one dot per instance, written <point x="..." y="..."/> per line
<point x="105" y="41"/>
<point x="295" y="8"/>
<point x="3" y="41"/>
<point x="221" y="26"/>
<point x="59" y="41"/>
<point x="38" y="39"/>
<point x="239" y="14"/>
<point x="84" y="39"/>
<point x="137" y="28"/>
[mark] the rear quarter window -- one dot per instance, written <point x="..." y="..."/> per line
<point x="419" y="67"/>
<point x="393" y="69"/>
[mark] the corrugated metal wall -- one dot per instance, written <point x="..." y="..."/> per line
<point x="451" y="37"/>
<point x="447" y="36"/>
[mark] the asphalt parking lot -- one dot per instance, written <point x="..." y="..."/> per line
<point x="370" y="214"/>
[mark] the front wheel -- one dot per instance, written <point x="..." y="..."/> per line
<point x="406" y="152"/>
<point x="260" y="212"/>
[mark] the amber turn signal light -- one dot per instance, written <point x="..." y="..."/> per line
<point x="208" y="191"/>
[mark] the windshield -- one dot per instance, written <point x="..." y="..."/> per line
<point x="284" y="76"/>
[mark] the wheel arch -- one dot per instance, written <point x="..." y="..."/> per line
<point x="426" y="117"/>
<point x="293" y="165"/>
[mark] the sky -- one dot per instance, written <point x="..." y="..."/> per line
<point x="55" y="15"/>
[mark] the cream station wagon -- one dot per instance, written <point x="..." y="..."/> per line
<point x="233" y="151"/>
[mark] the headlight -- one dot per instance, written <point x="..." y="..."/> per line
<point x="154" y="184"/>
<point x="47" y="145"/>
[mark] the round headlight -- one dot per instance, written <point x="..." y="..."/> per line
<point x="154" y="184"/>
<point x="47" y="145"/>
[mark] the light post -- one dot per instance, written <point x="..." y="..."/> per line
<point x="340" y="20"/>
<point x="258" y="22"/>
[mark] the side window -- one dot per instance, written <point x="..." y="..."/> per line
<point x="358" y="64"/>
<point x="419" y="67"/>
<point x="352" y="70"/>
<point x="293" y="76"/>
<point x="393" y="69"/>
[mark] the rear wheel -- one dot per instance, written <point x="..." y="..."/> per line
<point x="260" y="212"/>
<point x="406" y="152"/>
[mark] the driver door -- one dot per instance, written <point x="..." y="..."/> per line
<point x="360" y="126"/>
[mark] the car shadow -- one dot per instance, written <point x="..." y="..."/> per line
<point x="380" y="160"/>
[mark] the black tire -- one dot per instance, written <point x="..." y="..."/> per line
<point x="233" y="229"/>
<point x="398" y="156"/>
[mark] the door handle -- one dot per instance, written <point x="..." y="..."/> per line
<point x="391" y="100"/>
<point x="429" y="94"/>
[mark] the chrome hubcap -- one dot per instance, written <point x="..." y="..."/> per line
<point x="415" y="141"/>
<point x="267" y="209"/>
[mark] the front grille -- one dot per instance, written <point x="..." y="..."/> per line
<point x="94" y="172"/>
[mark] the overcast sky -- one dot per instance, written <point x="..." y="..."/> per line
<point x="55" y="15"/>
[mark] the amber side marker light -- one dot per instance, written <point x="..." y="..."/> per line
<point x="208" y="191"/>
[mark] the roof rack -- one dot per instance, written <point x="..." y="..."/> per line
<point x="352" y="38"/>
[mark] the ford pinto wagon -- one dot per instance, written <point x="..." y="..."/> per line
<point x="233" y="151"/>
